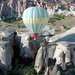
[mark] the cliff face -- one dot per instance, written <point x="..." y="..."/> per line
<point x="14" y="8"/>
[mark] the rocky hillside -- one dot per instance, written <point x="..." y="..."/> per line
<point x="14" y="8"/>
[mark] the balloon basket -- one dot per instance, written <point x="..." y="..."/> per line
<point x="34" y="38"/>
<point x="35" y="34"/>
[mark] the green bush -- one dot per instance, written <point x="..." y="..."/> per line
<point x="59" y="16"/>
<point x="32" y="64"/>
<point x="5" y="20"/>
<point x="58" y="31"/>
<point x="14" y="18"/>
<point x="21" y="71"/>
<point x="8" y="20"/>
<point x="64" y="27"/>
<point x="52" y="20"/>
<point x="28" y="70"/>
<point x="71" y="15"/>
<point x="7" y="72"/>
<point x="56" y="17"/>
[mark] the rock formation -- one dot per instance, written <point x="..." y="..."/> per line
<point x="53" y="55"/>
<point x="45" y="54"/>
<point x="28" y="47"/>
<point x="6" y="48"/>
<point x="59" y="47"/>
<point x="15" y="8"/>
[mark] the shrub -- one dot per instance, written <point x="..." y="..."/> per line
<point x="64" y="27"/>
<point x="52" y="20"/>
<point x="7" y="72"/>
<point x="5" y="20"/>
<point x="56" y="17"/>
<point x="70" y="14"/>
<point x="8" y="20"/>
<point x="58" y="31"/>
<point x="14" y="18"/>
<point x="29" y="71"/>
<point x="32" y="64"/>
<point x="59" y="16"/>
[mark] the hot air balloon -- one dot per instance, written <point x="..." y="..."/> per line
<point x="35" y="19"/>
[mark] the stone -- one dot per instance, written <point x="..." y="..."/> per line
<point x="58" y="73"/>
<point x="6" y="47"/>
<point x="55" y="71"/>
<point x="45" y="58"/>
<point x="39" y="61"/>
<point x="9" y="36"/>
<point x="60" y="11"/>
<point x="59" y="47"/>
<point x="14" y="8"/>
<point x="4" y="27"/>
<point x="68" y="56"/>
<point x="67" y="36"/>
<point x="28" y="46"/>
<point x="63" y="66"/>
<point x="47" y="31"/>
<point x="66" y="41"/>
<point x="62" y="55"/>
<point x="43" y="42"/>
<point x="6" y="53"/>
<point x="70" y="72"/>
<point x="47" y="71"/>
<point x="62" y="61"/>
<point x="3" y="17"/>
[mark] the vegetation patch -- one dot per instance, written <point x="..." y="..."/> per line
<point x="59" y="16"/>
<point x="29" y="70"/>
<point x="24" y="66"/>
<point x="10" y="20"/>
<point x="64" y="27"/>
<point x="55" y="18"/>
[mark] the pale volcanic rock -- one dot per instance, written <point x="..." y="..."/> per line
<point x="28" y="46"/>
<point x="6" y="47"/>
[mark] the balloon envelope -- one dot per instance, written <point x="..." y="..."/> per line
<point x="35" y="19"/>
